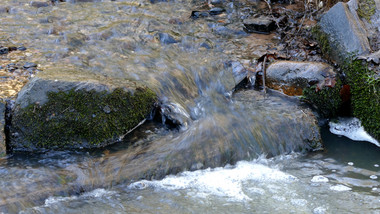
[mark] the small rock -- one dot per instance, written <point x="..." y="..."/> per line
<point x="39" y="4"/>
<point x="216" y="11"/>
<point x="199" y="14"/>
<point x="21" y="48"/>
<point x="4" y="50"/>
<point x="11" y="67"/>
<point x="166" y="38"/>
<point x="2" y="126"/>
<point x="216" y="3"/>
<point x="30" y="65"/>
<point x="259" y="25"/>
<point x="4" y="9"/>
<point x="107" y="109"/>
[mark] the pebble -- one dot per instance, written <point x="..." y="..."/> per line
<point x="216" y="11"/>
<point x="21" y="48"/>
<point x="39" y="4"/>
<point x="4" y="50"/>
<point x="30" y="65"/>
<point x="350" y="163"/>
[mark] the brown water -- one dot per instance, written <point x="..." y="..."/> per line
<point x="194" y="69"/>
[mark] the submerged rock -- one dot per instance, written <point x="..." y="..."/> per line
<point x="292" y="77"/>
<point x="346" y="32"/>
<point x="66" y="110"/>
<point x="2" y="129"/>
<point x="282" y="120"/>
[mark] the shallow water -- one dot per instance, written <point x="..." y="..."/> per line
<point x="194" y="70"/>
<point x="339" y="180"/>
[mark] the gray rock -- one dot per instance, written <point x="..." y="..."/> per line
<point x="29" y="65"/>
<point x="4" y="9"/>
<point x="39" y="4"/>
<point x="259" y="25"/>
<point x="347" y="34"/>
<point x="76" y="110"/>
<point x="4" y="50"/>
<point x="2" y="126"/>
<point x="216" y="11"/>
<point x="292" y="77"/>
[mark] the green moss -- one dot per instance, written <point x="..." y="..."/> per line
<point x="83" y="118"/>
<point x="327" y="100"/>
<point x="366" y="9"/>
<point x="365" y="95"/>
<point x="323" y="41"/>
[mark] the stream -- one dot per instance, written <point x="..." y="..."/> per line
<point x="193" y="64"/>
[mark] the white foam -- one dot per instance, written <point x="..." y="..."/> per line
<point x="374" y="177"/>
<point x="97" y="193"/>
<point x="298" y="202"/>
<point x="225" y="182"/>
<point x="319" y="179"/>
<point x="340" y="188"/>
<point x="351" y="128"/>
<point x="319" y="210"/>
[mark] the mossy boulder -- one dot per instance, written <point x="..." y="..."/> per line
<point x="365" y="92"/>
<point x="63" y="110"/>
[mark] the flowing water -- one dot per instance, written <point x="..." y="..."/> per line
<point x="192" y="65"/>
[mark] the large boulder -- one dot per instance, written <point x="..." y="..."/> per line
<point x="346" y="32"/>
<point x="292" y="77"/>
<point x="77" y="110"/>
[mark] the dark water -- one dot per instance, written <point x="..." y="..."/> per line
<point x="192" y="64"/>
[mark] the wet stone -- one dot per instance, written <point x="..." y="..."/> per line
<point x="2" y="126"/>
<point x="262" y="25"/>
<point x="21" y="48"/>
<point x="216" y="11"/>
<point x="199" y="14"/>
<point x="216" y="3"/>
<point x="4" y="10"/>
<point x="11" y="67"/>
<point x="30" y="65"/>
<point x="39" y="4"/>
<point x="4" y="50"/>
<point x="166" y="38"/>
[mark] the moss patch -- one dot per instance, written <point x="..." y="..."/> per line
<point x="327" y="100"/>
<point x="366" y="9"/>
<point x="323" y="40"/>
<point x="365" y="92"/>
<point x="78" y="118"/>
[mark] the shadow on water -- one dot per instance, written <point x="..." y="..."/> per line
<point x="342" y="149"/>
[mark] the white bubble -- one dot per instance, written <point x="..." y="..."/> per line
<point x="340" y="188"/>
<point x="374" y="189"/>
<point x="373" y="177"/>
<point x="319" y="179"/>
<point x="319" y="210"/>
<point x="350" y="163"/>
<point x="376" y="165"/>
